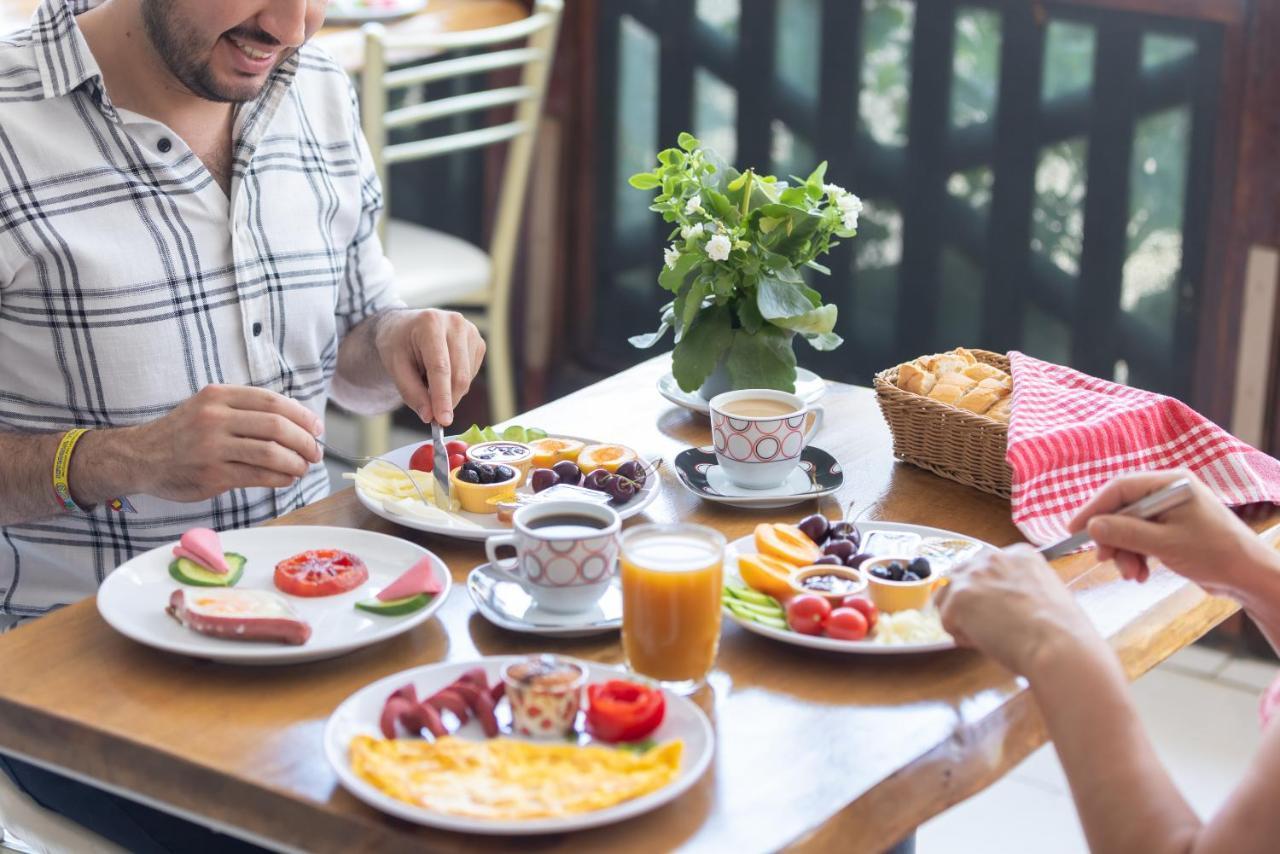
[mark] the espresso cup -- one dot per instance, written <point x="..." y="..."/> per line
<point x="759" y="451"/>
<point x="566" y="553"/>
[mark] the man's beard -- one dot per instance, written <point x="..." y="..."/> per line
<point x="180" y="49"/>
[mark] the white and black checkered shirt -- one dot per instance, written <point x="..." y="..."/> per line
<point x="129" y="279"/>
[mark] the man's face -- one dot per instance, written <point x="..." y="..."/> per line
<point x="225" y="50"/>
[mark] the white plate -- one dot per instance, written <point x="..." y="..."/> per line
<point x="479" y="527"/>
<point x="133" y="598"/>
<point x="506" y="604"/>
<point x="359" y="713"/>
<point x="347" y="12"/>
<point x="746" y="545"/>
<point x="809" y="386"/>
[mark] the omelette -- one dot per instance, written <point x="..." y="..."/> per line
<point x="505" y="779"/>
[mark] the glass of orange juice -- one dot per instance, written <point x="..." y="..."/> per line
<point x="671" y="581"/>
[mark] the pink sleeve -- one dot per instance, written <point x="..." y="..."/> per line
<point x="1270" y="705"/>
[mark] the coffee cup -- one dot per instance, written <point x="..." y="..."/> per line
<point x="759" y="435"/>
<point x="566" y="553"/>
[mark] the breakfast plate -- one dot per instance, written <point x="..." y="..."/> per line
<point x="506" y="604"/>
<point x="359" y="717"/>
<point x="817" y="475"/>
<point x="134" y="597"/>
<point x="880" y="539"/>
<point x="350" y="12"/>
<point x="809" y="386"/>
<point x="478" y="527"/>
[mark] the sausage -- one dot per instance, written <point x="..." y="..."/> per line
<point x="424" y="716"/>
<point x="394" y="710"/>
<point x="476" y="676"/>
<point x="498" y="691"/>
<point x="482" y="704"/>
<point x="407" y="691"/>
<point x="449" y="699"/>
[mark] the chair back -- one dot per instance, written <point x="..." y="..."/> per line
<point x="527" y="44"/>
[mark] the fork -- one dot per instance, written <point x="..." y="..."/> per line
<point x="355" y="461"/>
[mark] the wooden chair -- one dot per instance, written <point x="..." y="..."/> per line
<point x="434" y="269"/>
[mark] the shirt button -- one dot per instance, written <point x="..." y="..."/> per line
<point x="165" y="145"/>
<point x="257" y="328"/>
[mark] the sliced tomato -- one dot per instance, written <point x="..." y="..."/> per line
<point x="320" y="572"/>
<point x="618" y="710"/>
<point x="456" y="447"/>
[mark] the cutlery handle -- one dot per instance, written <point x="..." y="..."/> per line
<point x="1158" y="502"/>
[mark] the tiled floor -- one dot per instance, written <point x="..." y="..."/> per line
<point x="1205" y="744"/>
<point x="1201" y="710"/>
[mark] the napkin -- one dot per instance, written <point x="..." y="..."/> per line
<point x="1070" y="433"/>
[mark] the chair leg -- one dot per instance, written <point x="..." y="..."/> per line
<point x="502" y="391"/>
<point x="375" y="435"/>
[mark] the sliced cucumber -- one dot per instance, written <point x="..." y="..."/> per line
<point x="755" y="597"/>
<point x="187" y="571"/>
<point x="396" y="607"/>
<point x="759" y="611"/>
<point x="742" y="611"/>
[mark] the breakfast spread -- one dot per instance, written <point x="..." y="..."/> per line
<point x="200" y="561"/>
<point x="244" y="615"/>
<point x="507" y="778"/>
<point x="958" y="379"/>
<point x="828" y="579"/>
<point x="320" y="572"/>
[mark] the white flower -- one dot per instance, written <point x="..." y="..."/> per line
<point x="670" y="256"/>
<point x="718" y="248"/>
<point x="850" y="206"/>
<point x="693" y="206"/>
<point x="834" y="190"/>
<point x="691" y="232"/>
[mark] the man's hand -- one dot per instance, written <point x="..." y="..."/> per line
<point x="432" y="356"/>
<point x="1201" y="540"/>
<point x="227" y="437"/>
<point x="1014" y="607"/>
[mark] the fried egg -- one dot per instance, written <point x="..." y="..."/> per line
<point x="505" y="779"/>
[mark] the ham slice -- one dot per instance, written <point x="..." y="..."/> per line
<point x="202" y="546"/>
<point x="247" y="615"/>
<point x="419" y="578"/>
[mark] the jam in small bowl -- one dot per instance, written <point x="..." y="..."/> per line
<point x="545" y="693"/>
<point x="832" y="583"/>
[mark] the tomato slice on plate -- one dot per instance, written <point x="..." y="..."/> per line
<point x="618" y="710"/>
<point x="320" y="572"/>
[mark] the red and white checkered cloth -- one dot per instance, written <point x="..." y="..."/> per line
<point x="1071" y="433"/>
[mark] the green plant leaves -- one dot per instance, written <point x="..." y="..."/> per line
<point x="689" y="300"/>
<point x="824" y="341"/>
<point x="794" y="306"/>
<point x="687" y="141"/>
<point x="701" y="347"/>
<point x="762" y="360"/>
<point x="672" y="279"/>
<point x="645" y="181"/>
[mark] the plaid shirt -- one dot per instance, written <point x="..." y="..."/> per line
<point x="129" y="279"/>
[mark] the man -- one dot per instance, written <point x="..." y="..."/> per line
<point x="189" y="266"/>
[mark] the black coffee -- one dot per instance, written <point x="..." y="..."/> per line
<point x="567" y="525"/>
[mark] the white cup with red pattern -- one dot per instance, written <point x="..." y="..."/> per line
<point x="759" y="434"/>
<point x="566" y="553"/>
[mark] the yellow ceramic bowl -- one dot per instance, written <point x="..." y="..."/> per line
<point x="474" y="497"/>
<point x="891" y="596"/>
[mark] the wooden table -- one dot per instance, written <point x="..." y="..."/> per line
<point x="345" y="42"/>
<point x="814" y="751"/>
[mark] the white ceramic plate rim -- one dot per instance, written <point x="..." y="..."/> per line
<point x="241" y="652"/>
<point x="746" y="545"/>
<point x="344" y="14"/>
<point x="670" y="389"/>
<point x="503" y="621"/>
<point x="343" y="723"/>
<point x="400" y="456"/>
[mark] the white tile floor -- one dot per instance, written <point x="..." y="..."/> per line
<point x="1201" y="710"/>
<point x="1031" y="809"/>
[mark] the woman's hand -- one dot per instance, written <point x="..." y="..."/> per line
<point x="1201" y="539"/>
<point x="1012" y="606"/>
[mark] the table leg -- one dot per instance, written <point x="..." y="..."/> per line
<point x="906" y="846"/>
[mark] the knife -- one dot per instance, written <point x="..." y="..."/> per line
<point x="440" y="468"/>
<point x="1160" y="501"/>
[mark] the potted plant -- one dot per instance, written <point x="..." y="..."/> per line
<point x="737" y="249"/>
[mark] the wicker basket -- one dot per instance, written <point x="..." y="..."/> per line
<point x="945" y="440"/>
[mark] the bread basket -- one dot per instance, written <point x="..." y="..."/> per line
<point x="951" y="442"/>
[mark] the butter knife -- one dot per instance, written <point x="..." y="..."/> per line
<point x="1160" y="501"/>
<point x="440" y="469"/>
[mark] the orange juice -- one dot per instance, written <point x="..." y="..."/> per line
<point x="671" y="581"/>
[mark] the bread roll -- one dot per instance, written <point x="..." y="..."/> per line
<point x="913" y="378"/>
<point x="982" y="371"/>
<point x="1000" y="409"/>
<point x="978" y="400"/>
<point x="1001" y="385"/>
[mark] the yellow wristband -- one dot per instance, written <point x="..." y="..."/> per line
<point x="62" y="464"/>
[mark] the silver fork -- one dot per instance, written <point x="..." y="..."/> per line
<point x="355" y="461"/>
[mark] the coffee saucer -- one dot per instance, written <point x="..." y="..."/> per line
<point x="809" y="386"/>
<point x="505" y="604"/>
<point x="817" y="475"/>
